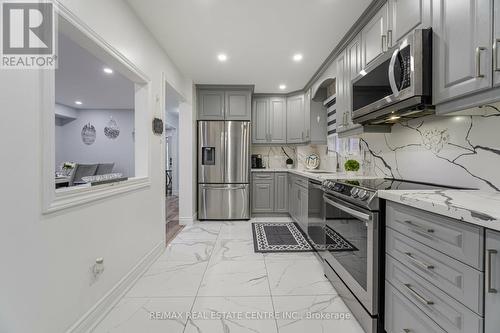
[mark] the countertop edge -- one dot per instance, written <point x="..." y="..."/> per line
<point x="470" y="206"/>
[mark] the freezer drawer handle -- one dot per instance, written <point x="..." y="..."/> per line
<point x="417" y="295"/>
<point x="224" y="188"/>
<point x="489" y="270"/>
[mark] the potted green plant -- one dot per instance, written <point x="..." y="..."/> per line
<point x="351" y="166"/>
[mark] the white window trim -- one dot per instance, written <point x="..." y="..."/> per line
<point x="80" y="195"/>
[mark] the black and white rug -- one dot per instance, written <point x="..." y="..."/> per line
<point x="279" y="237"/>
<point x="288" y="237"/>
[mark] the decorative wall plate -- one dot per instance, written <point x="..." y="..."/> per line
<point x="88" y="134"/>
<point x="112" y="131"/>
<point x="312" y="161"/>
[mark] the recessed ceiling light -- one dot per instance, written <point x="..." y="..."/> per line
<point x="78" y="102"/>
<point x="222" y="57"/>
<point x="297" y="57"/>
<point x="107" y="70"/>
<point x="394" y="118"/>
<point x="282" y="86"/>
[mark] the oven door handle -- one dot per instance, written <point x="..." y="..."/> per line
<point x="392" y="78"/>
<point x="359" y="215"/>
<point x="316" y="186"/>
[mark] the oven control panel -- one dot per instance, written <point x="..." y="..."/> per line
<point x="349" y="190"/>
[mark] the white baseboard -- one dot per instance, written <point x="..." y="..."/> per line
<point x="92" y="317"/>
<point x="188" y="220"/>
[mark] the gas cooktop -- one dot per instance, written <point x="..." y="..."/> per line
<point x="363" y="192"/>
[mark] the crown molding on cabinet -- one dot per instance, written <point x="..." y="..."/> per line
<point x="356" y="28"/>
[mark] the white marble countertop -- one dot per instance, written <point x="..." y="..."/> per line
<point x="315" y="175"/>
<point x="477" y="207"/>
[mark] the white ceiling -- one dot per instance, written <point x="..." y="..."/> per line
<point x="259" y="37"/>
<point x="80" y="76"/>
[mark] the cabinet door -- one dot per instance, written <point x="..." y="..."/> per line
<point x="263" y="196"/>
<point x="260" y="117"/>
<point x="405" y="16"/>
<point x="295" y="119"/>
<point x="238" y="105"/>
<point x="277" y="120"/>
<point x="462" y="47"/>
<point x="318" y="123"/>
<point x="281" y="192"/>
<point x="351" y="70"/>
<point x="307" y="116"/>
<point x="211" y="105"/>
<point x="496" y="42"/>
<point x="492" y="283"/>
<point x="341" y="103"/>
<point x="374" y="36"/>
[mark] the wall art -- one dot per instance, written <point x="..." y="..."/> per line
<point x="112" y="131"/>
<point x="88" y="134"/>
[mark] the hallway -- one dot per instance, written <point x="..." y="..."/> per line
<point x="210" y="271"/>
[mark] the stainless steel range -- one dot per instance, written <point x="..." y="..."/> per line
<point x="350" y="240"/>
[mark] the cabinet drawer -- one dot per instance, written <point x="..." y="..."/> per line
<point x="461" y="241"/>
<point x="304" y="182"/>
<point x="262" y="175"/>
<point x="402" y="316"/>
<point x="449" y="314"/>
<point x="458" y="280"/>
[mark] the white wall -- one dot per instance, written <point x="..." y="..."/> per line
<point x="70" y="147"/>
<point x="46" y="259"/>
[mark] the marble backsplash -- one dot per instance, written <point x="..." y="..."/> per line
<point x="460" y="150"/>
<point x="455" y="150"/>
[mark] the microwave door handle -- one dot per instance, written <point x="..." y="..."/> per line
<point x="392" y="77"/>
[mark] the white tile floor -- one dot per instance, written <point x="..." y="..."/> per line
<point x="210" y="280"/>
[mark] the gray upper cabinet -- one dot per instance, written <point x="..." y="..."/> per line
<point x="406" y="15"/>
<point x="211" y="105"/>
<point x="224" y="104"/>
<point x="295" y="119"/>
<point x="269" y="120"/>
<point x="341" y="85"/>
<point x="260" y="120"/>
<point x="318" y="121"/>
<point x="492" y="287"/>
<point x="277" y="120"/>
<point x="238" y="105"/>
<point x="462" y="59"/>
<point x="496" y="43"/>
<point x="374" y="36"/>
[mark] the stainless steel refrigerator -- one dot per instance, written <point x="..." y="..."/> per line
<point x="223" y="170"/>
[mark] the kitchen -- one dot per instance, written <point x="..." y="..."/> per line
<point x="336" y="169"/>
<point x="419" y="254"/>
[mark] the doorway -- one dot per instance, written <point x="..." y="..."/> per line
<point x="171" y="133"/>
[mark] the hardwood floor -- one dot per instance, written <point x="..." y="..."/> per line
<point x="172" y="227"/>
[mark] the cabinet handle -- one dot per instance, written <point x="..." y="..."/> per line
<point x="389" y="39"/>
<point x="384" y="42"/>
<point x="418" y="262"/>
<point x="495" y="55"/>
<point x="478" y="61"/>
<point x="489" y="271"/>
<point x="302" y="135"/>
<point x="307" y="134"/>
<point x="419" y="227"/>
<point x="417" y="295"/>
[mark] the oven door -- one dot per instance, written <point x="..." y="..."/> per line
<point x="352" y="249"/>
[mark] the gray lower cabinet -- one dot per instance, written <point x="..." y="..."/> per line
<point x="224" y="103"/>
<point x="434" y="273"/>
<point x="492" y="288"/>
<point x="263" y="194"/>
<point x="281" y="192"/>
<point x="270" y="192"/>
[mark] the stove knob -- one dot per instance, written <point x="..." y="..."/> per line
<point x="363" y="194"/>
<point x="354" y="192"/>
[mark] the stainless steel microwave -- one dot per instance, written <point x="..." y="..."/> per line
<point x="396" y="85"/>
